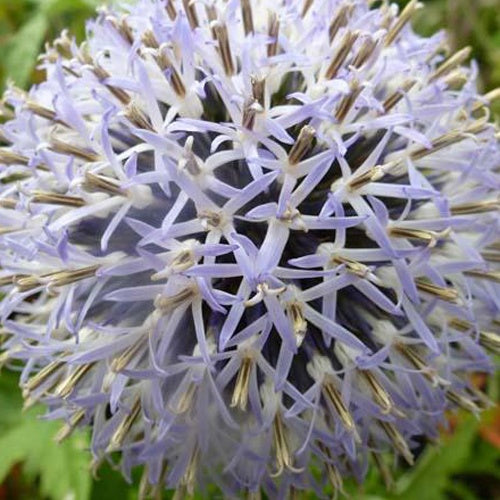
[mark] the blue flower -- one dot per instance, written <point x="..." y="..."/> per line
<point x="241" y="238"/>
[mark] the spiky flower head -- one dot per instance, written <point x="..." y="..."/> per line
<point x="241" y="238"/>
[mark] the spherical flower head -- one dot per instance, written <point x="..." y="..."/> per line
<point x="242" y="238"/>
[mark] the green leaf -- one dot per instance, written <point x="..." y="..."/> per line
<point x="24" y="48"/>
<point x="430" y="478"/>
<point x="62" y="469"/>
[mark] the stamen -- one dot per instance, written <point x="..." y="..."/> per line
<point x="488" y="98"/>
<point x="103" y="75"/>
<point x="249" y="114"/>
<point x="273" y="32"/>
<point x="171" y="11"/>
<point x="240" y="392"/>
<point x="446" y="294"/>
<point x="485" y="275"/>
<point x="222" y="37"/>
<point x="56" y="279"/>
<point x="149" y="39"/>
<point x="42" y="376"/>
<point x="190" y="10"/>
<point x="246" y="14"/>
<point x="263" y="290"/>
<point x="380" y="395"/>
<point x="418" y="363"/>
<point x="333" y="474"/>
<point x="451" y="63"/>
<point x="66" y="387"/>
<point x="341" y="55"/>
<point x="137" y="116"/>
<point x="183" y="261"/>
<point x="431" y="238"/>
<point x="299" y="323"/>
<point x="8" y="157"/>
<point x="374" y="174"/>
<point x="331" y="394"/>
<point x="210" y="220"/>
<point x="307" y="5"/>
<point x="66" y="148"/>
<point x="348" y="101"/>
<point x="480" y="207"/>
<point x="42" y="111"/>
<point x="253" y="495"/>
<point x="489" y="340"/>
<point x="461" y="401"/>
<point x="167" y="304"/>
<point x="258" y="89"/>
<point x="302" y="145"/>
<point x="97" y="182"/>
<point x="122" y="361"/>
<point x="403" y="19"/>
<point x="384" y="471"/>
<point x="352" y="266"/>
<point x="56" y="199"/>
<point x="175" y="79"/>
<point x="186" y="400"/>
<point x="365" y="52"/>
<point x="123" y="29"/>
<point x="70" y="426"/>
<point x="124" y="427"/>
<point x="340" y="20"/>
<point x="189" y="478"/>
<point x="450" y="139"/>
<point x="284" y="459"/>
<point x="8" y="203"/>
<point x="397" y="440"/>
<point x="397" y="95"/>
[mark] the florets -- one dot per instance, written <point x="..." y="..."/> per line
<point x="241" y="238"/>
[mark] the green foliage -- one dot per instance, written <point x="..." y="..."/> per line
<point x="26" y="24"/>
<point x="62" y="470"/>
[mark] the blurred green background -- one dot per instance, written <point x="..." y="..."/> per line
<point x="32" y="466"/>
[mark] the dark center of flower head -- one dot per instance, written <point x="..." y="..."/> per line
<point x="239" y="239"/>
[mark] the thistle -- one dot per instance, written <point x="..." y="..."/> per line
<point x="243" y="239"/>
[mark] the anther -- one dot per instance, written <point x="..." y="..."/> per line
<point x="284" y="458"/>
<point x="246" y="14"/>
<point x="348" y="101"/>
<point x="167" y="303"/>
<point x="380" y="395"/>
<point x="341" y="55"/>
<point x="241" y="387"/>
<point x="258" y="89"/>
<point x="401" y="22"/>
<point x="69" y="427"/>
<point x="397" y="440"/>
<point x="273" y="32"/>
<point x="479" y="207"/>
<point x="333" y="396"/>
<point x="340" y="20"/>
<point x="67" y="386"/>
<point x="97" y="182"/>
<point x="124" y="427"/>
<point x="171" y="11"/>
<point x="392" y="100"/>
<point x="302" y="145"/>
<point x="190" y="10"/>
<point x="299" y="324"/>
<point x="66" y="148"/>
<point x="56" y="199"/>
<point x="451" y="63"/>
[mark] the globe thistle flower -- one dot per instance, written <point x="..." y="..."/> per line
<point x="243" y="238"/>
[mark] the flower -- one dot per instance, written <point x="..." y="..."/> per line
<point x="241" y="238"/>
